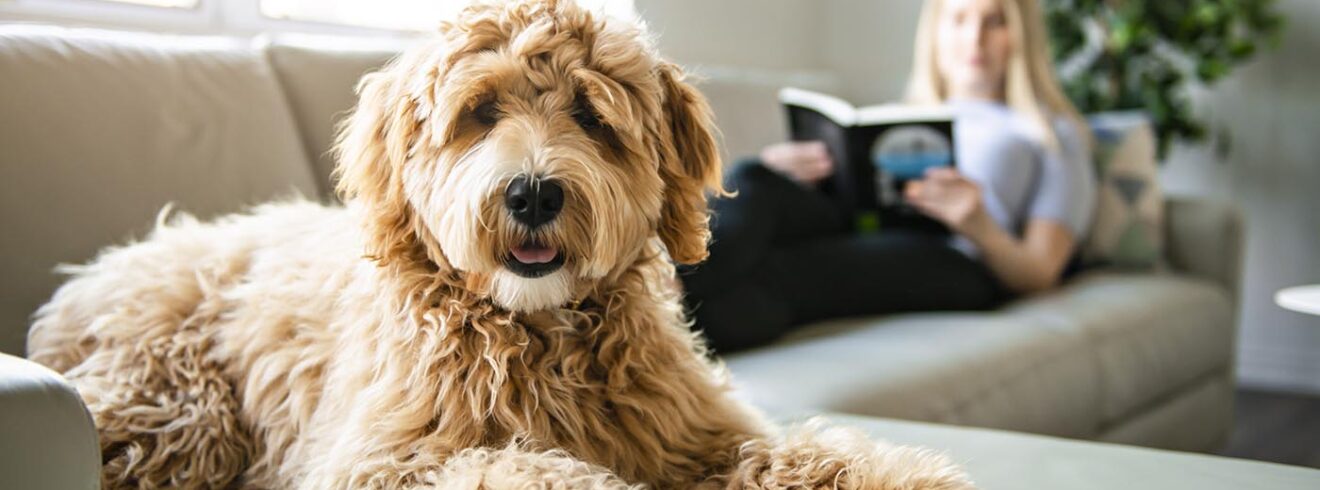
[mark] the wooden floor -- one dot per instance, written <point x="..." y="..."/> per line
<point x="1277" y="427"/>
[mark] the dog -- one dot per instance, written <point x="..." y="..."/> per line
<point x="493" y="306"/>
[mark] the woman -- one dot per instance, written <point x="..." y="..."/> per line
<point x="1018" y="203"/>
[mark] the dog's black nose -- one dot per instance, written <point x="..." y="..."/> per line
<point x="533" y="201"/>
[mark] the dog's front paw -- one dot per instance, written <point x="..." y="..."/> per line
<point x="814" y="456"/>
<point x="513" y="467"/>
<point x="907" y="468"/>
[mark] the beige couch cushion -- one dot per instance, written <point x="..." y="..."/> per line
<point x="997" y="370"/>
<point x="319" y="77"/>
<point x="1149" y="334"/>
<point x="1190" y="419"/>
<point x="1069" y="363"/>
<point x="101" y="129"/>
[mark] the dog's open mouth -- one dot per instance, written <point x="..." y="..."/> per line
<point x="533" y="259"/>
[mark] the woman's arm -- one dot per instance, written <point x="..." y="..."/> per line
<point x="1027" y="265"/>
<point x="1032" y="264"/>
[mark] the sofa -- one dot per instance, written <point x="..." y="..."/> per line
<point x="100" y="130"/>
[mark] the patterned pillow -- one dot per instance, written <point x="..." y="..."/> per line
<point x="1128" y="229"/>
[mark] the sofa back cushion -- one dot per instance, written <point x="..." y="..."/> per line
<point x="320" y="75"/>
<point x="102" y="129"/>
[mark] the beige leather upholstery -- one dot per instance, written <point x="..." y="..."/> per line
<point x="47" y="440"/>
<point x="1078" y="362"/>
<point x="994" y="370"/>
<point x="1205" y="239"/>
<point x="1148" y="334"/>
<point x="100" y="130"/>
<point x="1188" y="419"/>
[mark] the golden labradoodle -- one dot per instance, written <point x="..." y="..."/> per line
<point x="492" y="308"/>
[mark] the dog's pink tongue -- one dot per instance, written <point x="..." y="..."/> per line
<point x="534" y="254"/>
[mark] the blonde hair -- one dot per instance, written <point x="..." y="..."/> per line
<point x="1030" y="86"/>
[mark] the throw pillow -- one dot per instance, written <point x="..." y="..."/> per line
<point x="1128" y="228"/>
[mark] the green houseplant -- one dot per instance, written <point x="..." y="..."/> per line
<point x="1144" y="54"/>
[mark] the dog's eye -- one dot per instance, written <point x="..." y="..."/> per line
<point x="486" y="113"/>
<point x="586" y="118"/>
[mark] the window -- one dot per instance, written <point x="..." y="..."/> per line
<point x="379" y="18"/>
<point x="194" y="16"/>
<point x="412" y="15"/>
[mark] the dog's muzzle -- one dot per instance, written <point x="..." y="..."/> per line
<point x="533" y="202"/>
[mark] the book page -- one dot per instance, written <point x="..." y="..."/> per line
<point x="839" y="111"/>
<point x="900" y="113"/>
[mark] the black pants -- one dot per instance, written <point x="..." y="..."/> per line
<point x="782" y="256"/>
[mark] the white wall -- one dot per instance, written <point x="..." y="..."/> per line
<point x="862" y="49"/>
<point x="858" y="48"/>
<point x="1271" y="108"/>
<point x="773" y="34"/>
<point x="869" y="45"/>
<point x="745" y="50"/>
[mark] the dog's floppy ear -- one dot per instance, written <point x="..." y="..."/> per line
<point x="690" y="166"/>
<point x="372" y="146"/>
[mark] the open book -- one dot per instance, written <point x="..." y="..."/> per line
<point x="876" y="150"/>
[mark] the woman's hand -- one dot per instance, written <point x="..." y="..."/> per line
<point x="1025" y="265"/>
<point x="807" y="162"/>
<point x="950" y="198"/>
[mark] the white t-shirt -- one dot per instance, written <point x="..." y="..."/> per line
<point x="1021" y="179"/>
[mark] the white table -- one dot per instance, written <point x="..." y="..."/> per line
<point x="1305" y="299"/>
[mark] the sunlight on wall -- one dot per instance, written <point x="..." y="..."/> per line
<point x="185" y="4"/>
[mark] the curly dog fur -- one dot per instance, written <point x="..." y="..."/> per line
<point x="387" y="344"/>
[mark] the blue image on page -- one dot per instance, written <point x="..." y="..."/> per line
<point x="905" y="152"/>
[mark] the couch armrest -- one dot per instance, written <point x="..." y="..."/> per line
<point x="47" y="439"/>
<point x="1205" y="239"/>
